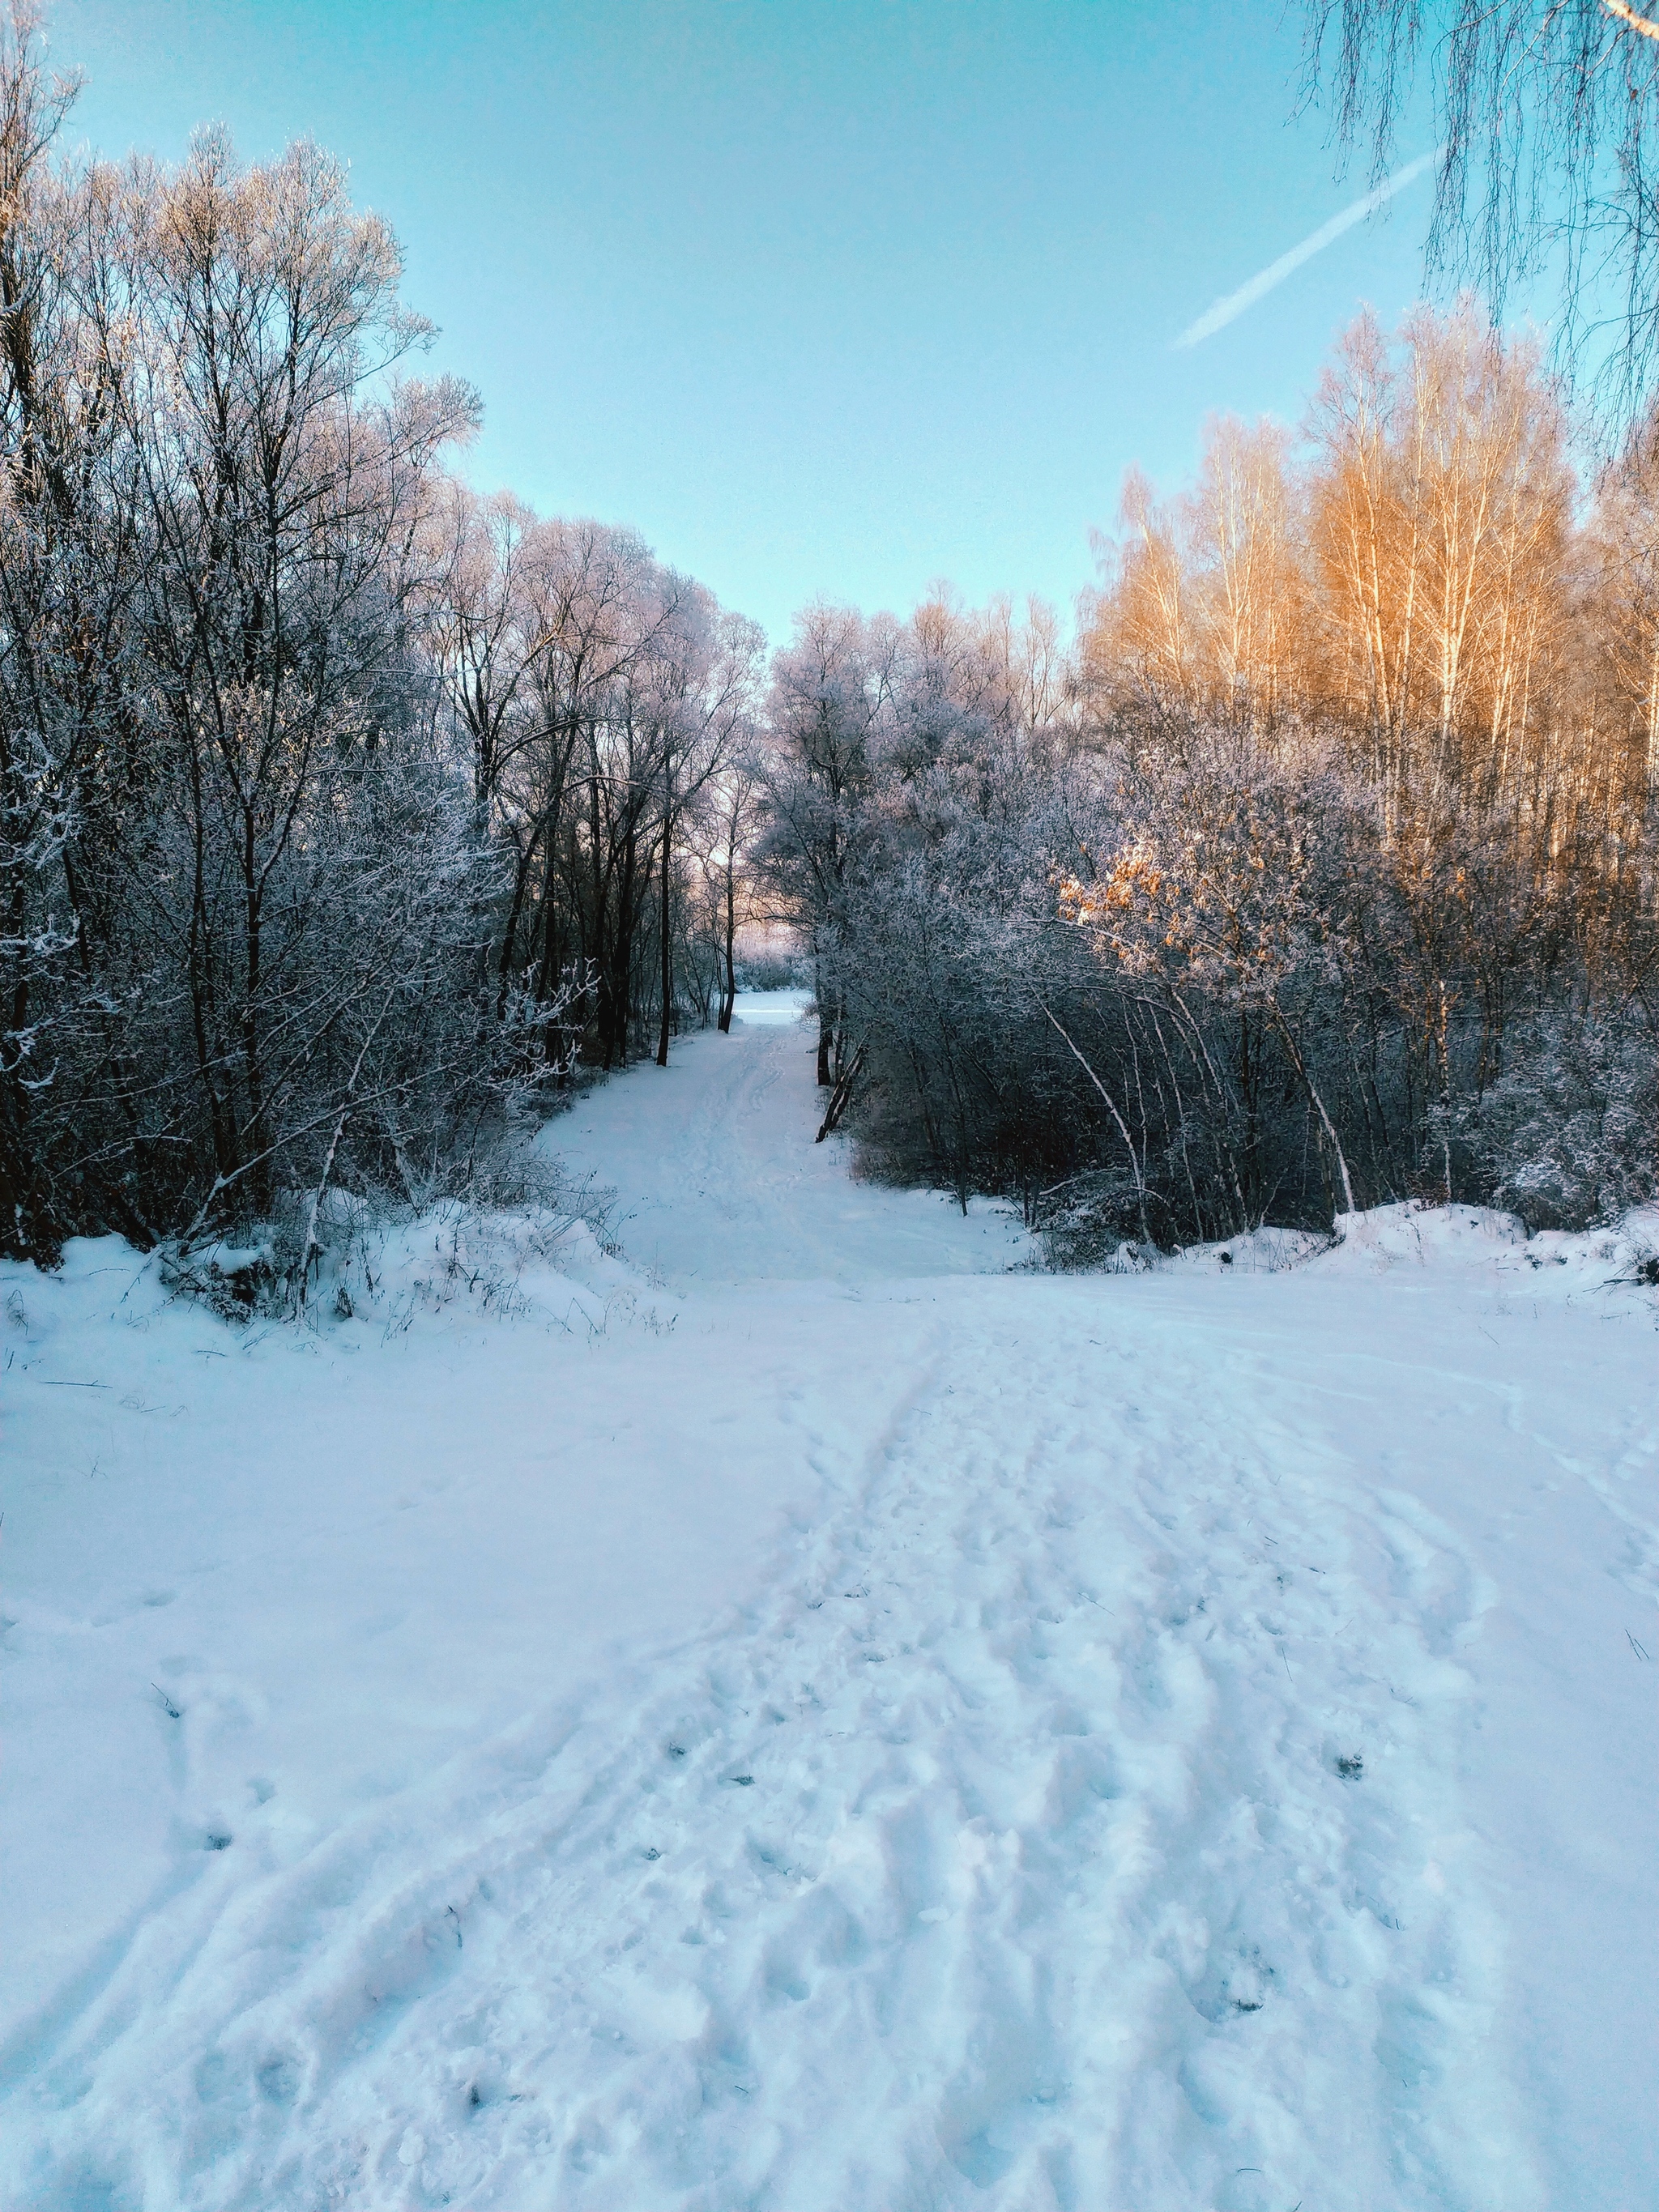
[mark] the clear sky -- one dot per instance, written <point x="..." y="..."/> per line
<point x="822" y="297"/>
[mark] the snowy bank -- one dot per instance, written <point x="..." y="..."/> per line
<point x="1485" y="1248"/>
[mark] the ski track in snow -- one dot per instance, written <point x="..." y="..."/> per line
<point x="1073" y="1815"/>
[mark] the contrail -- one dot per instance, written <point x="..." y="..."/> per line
<point x="1217" y="317"/>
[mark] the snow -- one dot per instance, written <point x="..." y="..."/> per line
<point x="814" y="1713"/>
<point x="715" y="1181"/>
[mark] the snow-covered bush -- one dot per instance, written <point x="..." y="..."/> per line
<point x="1569" y="1135"/>
<point x="770" y="971"/>
<point x="470" y="1230"/>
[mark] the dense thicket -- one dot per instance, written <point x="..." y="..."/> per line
<point x="337" y="807"/>
<point x="1322" y="875"/>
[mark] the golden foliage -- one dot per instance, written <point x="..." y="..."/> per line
<point x="1415" y="575"/>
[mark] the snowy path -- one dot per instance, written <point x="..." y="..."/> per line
<point x="1165" y="1742"/>
<point x="717" y="1179"/>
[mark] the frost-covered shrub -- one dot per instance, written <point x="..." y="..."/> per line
<point x="1091" y="1234"/>
<point x="772" y="972"/>
<point x="1568" y="1134"/>
<point x="509" y="1210"/>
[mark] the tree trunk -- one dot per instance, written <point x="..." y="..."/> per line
<point x="842" y="1096"/>
<point x="1326" y="1122"/>
<point x="1122" y="1127"/>
<point x="258" y="1134"/>
<point x="729" y="991"/>
<point x="667" y="928"/>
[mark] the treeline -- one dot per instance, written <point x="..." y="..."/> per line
<point x="340" y="810"/>
<point x="346" y="816"/>
<point x="1321" y="874"/>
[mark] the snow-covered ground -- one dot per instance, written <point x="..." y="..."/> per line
<point x="813" y="1719"/>
<point x="718" y="1180"/>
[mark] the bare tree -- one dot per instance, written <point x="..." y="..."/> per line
<point x="1545" y="114"/>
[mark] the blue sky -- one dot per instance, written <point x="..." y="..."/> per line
<point x="833" y="298"/>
